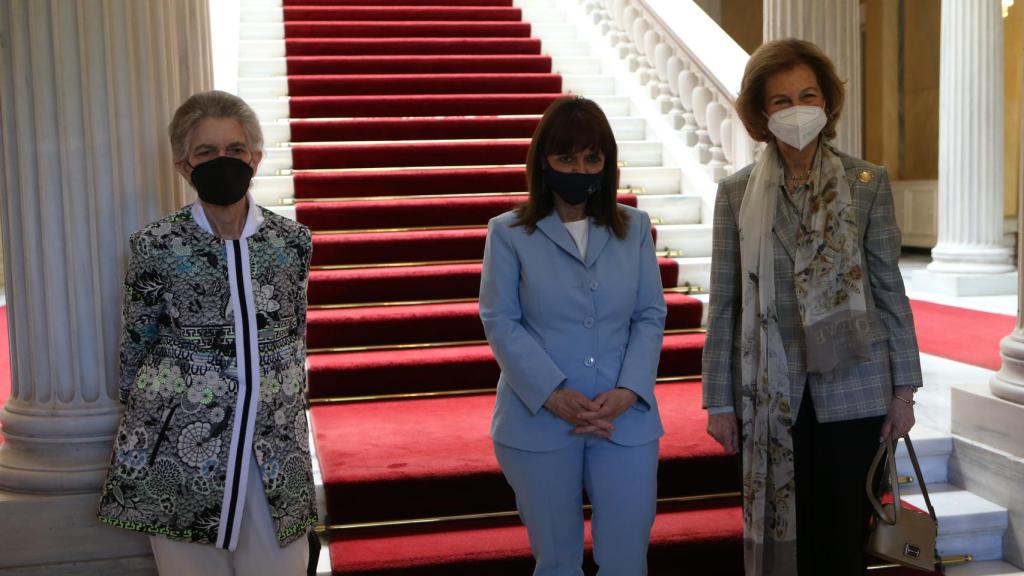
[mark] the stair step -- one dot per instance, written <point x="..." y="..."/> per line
<point x="276" y="134"/>
<point x="411" y="213"/>
<point x="388" y="29"/>
<point x="433" y="457"/>
<point x="705" y="538"/>
<point x="417" y="84"/>
<point x="342" y="13"/>
<point x="275" y="109"/>
<point x="274" y="13"/>
<point x="553" y="31"/>
<point x="251" y="68"/>
<point x="989" y="568"/>
<point x="448" y="322"/>
<point x="401" y="84"/>
<point x="420" y="153"/>
<point x="271" y="190"/>
<point x="933" y="448"/>
<point x="280" y="3"/>
<point x="406" y="46"/>
<point x="690" y="240"/>
<point x="414" y="283"/>
<point x="695" y="271"/>
<point x="672" y="208"/>
<point x="565" y="48"/>
<point x="403" y="105"/>
<point x="968" y="524"/>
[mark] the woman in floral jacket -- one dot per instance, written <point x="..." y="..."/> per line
<point x="212" y="456"/>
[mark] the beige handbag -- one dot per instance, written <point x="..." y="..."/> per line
<point x="905" y="537"/>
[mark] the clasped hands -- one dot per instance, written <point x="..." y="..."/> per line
<point x="595" y="416"/>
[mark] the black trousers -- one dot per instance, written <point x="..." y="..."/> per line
<point x="831" y="462"/>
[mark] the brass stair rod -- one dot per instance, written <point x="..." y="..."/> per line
<point x="506" y="514"/>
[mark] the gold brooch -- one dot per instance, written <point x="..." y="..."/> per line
<point x="865" y="176"/>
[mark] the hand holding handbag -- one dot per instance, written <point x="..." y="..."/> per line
<point x="898" y="535"/>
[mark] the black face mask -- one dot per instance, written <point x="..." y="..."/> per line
<point x="222" y="181"/>
<point x="573" y="187"/>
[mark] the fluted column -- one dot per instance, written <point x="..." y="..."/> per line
<point x="1008" y="383"/>
<point x="88" y="88"/>
<point x="834" y="25"/>
<point x="971" y="141"/>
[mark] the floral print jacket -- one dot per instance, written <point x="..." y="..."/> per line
<point x="195" y="416"/>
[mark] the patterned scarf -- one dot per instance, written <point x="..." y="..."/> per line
<point x="830" y="293"/>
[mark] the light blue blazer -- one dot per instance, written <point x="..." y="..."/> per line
<point x="555" y="320"/>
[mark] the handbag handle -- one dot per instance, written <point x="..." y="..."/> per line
<point x="888" y="449"/>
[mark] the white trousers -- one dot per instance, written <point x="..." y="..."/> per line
<point x="257" y="553"/>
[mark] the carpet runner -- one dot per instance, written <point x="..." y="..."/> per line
<point x="959" y="334"/>
<point x="410" y="126"/>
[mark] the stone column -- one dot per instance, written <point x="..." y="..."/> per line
<point x="834" y="25"/>
<point x="1008" y="383"/>
<point x="970" y="257"/>
<point x="87" y="89"/>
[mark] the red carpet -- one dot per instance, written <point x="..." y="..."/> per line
<point x="432" y="457"/>
<point x="959" y="334"/>
<point x="307" y="65"/>
<point x="424" y="105"/>
<point x="378" y="155"/>
<point x="396" y="84"/>
<point x="407" y="29"/>
<point x="446" y="368"/>
<point x="409" y="46"/>
<point x="410" y="130"/>
<point x="686" y="539"/>
<point x="414" y="212"/>
<point x="409" y="182"/>
<point x="414" y="128"/>
<point x="385" y="13"/>
<point x="427" y="282"/>
<point x="383" y="325"/>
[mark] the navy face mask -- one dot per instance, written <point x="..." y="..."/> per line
<point x="573" y="187"/>
<point x="222" y="181"/>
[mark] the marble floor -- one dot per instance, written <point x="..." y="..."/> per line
<point x="940" y="373"/>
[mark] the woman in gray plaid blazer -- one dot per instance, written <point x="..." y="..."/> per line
<point x="811" y="355"/>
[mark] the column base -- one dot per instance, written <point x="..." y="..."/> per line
<point x="988" y="455"/>
<point x="951" y="258"/>
<point x="961" y="284"/>
<point x="1008" y="383"/>
<point x="62" y="532"/>
<point x="56" y="451"/>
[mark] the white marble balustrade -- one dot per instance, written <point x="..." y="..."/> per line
<point x="690" y="67"/>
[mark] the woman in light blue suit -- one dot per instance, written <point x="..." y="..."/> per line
<point x="572" y="304"/>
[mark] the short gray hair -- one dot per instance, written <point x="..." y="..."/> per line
<point x="212" y="104"/>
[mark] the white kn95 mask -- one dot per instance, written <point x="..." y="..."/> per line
<point x="797" y="126"/>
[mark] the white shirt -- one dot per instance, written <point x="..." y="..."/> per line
<point x="579" y="230"/>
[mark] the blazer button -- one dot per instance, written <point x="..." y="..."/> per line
<point x="593" y="285"/>
<point x="589" y="323"/>
<point x="589" y="362"/>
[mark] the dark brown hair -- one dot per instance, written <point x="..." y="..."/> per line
<point x="782" y="56"/>
<point x="572" y="124"/>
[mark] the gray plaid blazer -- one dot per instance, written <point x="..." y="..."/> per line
<point x="859" y="391"/>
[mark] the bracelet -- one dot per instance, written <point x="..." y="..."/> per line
<point x="910" y="402"/>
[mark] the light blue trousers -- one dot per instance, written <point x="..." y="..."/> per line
<point x="621" y="483"/>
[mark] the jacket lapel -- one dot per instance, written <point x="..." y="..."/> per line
<point x="786" y="224"/>
<point x="597" y="238"/>
<point x="552" y="227"/>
